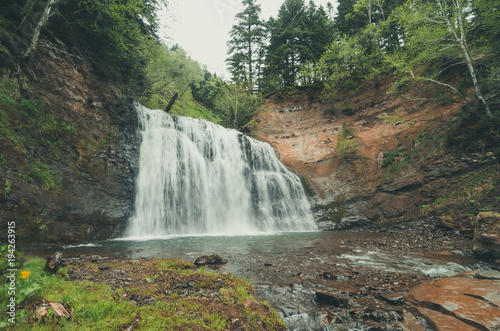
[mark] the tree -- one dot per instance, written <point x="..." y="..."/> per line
<point x="247" y="40"/>
<point x="205" y="91"/>
<point x="236" y="106"/>
<point x="42" y="21"/>
<point x="168" y="72"/>
<point x="343" y="20"/>
<point x="298" y="37"/>
<point x="438" y="32"/>
<point x="113" y="33"/>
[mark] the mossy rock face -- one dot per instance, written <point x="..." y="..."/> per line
<point x="486" y="244"/>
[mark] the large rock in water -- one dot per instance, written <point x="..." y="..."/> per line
<point x="469" y="301"/>
<point x="486" y="244"/>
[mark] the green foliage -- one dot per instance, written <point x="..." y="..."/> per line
<point x="440" y="36"/>
<point x="246" y="47"/>
<point x="394" y="117"/>
<point x="390" y="158"/>
<point x="346" y="132"/>
<point x="346" y="146"/>
<point x="336" y="209"/>
<point x="474" y="190"/>
<point x="168" y="71"/>
<point x="190" y="108"/>
<point x="113" y="32"/>
<point x="44" y="175"/>
<point x="298" y="37"/>
<point x="99" y="307"/>
<point x="236" y="106"/>
<point x="206" y="90"/>
<point x="7" y="188"/>
<point x="7" y="100"/>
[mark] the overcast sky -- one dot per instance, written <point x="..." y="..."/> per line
<point x="202" y="27"/>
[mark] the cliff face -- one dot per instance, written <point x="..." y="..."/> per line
<point x="69" y="175"/>
<point x="69" y="153"/>
<point x="386" y="159"/>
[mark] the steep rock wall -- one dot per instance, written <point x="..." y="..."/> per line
<point x="91" y="151"/>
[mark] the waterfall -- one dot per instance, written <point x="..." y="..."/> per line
<point x="196" y="177"/>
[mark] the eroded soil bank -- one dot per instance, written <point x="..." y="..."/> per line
<point x="336" y="280"/>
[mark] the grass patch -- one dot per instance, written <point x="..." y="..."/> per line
<point x="100" y="307"/>
<point x="190" y="108"/>
<point x="394" y="117"/>
<point x="346" y="146"/>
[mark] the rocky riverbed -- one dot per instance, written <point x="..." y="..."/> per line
<point x="398" y="278"/>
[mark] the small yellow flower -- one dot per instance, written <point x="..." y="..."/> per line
<point x="25" y="274"/>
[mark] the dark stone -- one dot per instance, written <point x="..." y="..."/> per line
<point x="329" y="299"/>
<point x="393" y="299"/>
<point x="54" y="262"/>
<point x="346" y="223"/>
<point x="212" y="259"/>
<point x="486" y="243"/>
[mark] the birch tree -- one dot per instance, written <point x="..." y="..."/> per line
<point x="43" y="20"/>
<point x="437" y="32"/>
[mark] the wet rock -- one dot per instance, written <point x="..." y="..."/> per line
<point x="290" y="311"/>
<point x="54" y="262"/>
<point x="486" y="244"/>
<point x="393" y="299"/>
<point x="458" y="303"/>
<point x="331" y="299"/>
<point x="212" y="259"/>
<point x="483" y="274"/>
<point x="345" y="223"/>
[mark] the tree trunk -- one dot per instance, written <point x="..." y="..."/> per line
<point x="171" y="103"/>
<point x="462" y="42"/>
<point x="36" y="34"/>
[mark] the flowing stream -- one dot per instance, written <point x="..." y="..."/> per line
<point x="198" y="178"/>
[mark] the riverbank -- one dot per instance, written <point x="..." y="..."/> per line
<point x="102" y="293"/>
<point x="346" y="280"/>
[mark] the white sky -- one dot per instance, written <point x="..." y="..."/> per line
<point x="201" y="27"/>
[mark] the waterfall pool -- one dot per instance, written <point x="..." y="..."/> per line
<point x="299" y="252"/>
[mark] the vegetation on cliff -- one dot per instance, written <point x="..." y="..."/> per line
<point x="416" y="44"/>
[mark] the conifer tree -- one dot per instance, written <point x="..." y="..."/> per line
<point x="298" y="37"/>
<point x="245" y="47"/>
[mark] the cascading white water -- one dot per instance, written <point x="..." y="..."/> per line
<point x="196" y="177"/>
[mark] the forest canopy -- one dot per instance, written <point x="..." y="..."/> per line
<point x="304" y="47"/>
<point x="410" y="41"/>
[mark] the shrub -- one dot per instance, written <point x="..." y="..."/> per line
<point x="345" y="145"/>
<point x="44" y="175"/>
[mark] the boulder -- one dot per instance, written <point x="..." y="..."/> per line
<point x="332" y="299"/>
<point x="486" y="243"/>
<point x="212" y="259"/>
<point x="462" y="302"/>
<point x="54" y="262"/>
